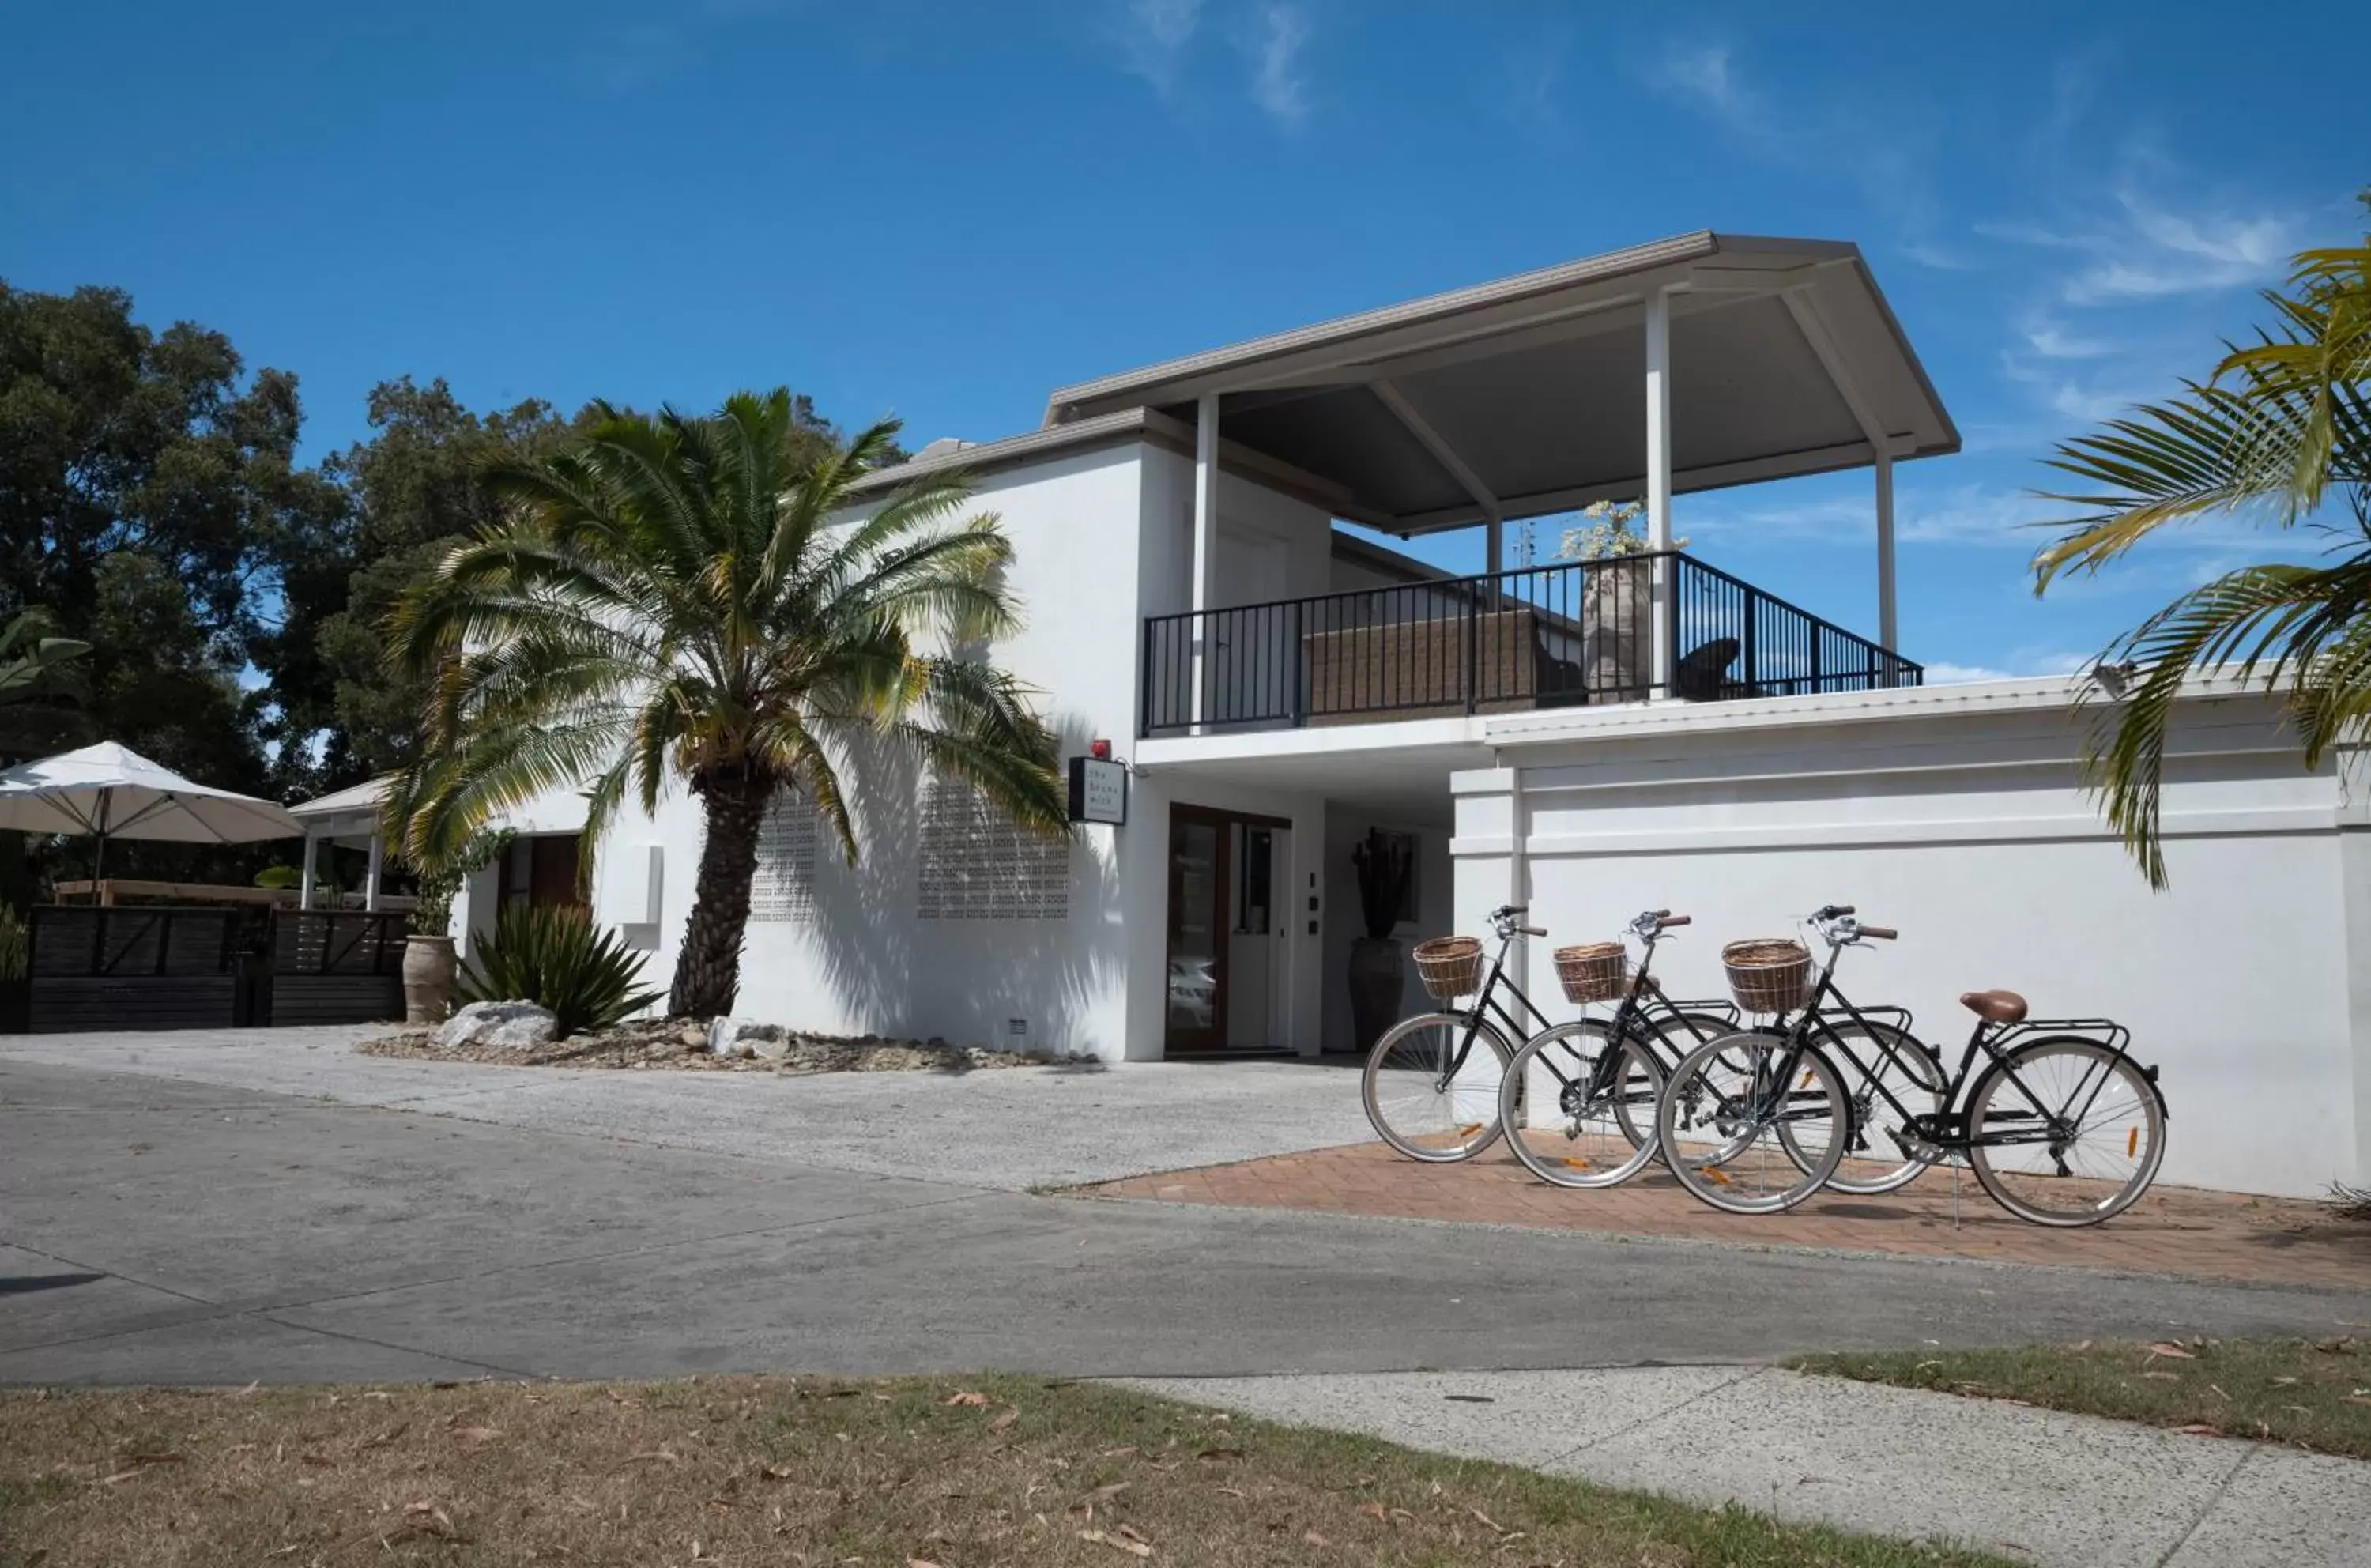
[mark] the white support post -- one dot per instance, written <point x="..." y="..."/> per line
<point x="1659" y="483"/>
<point x="1206" y="539"/>
<point x="370" y="877"/>
<point x="1493" y="547"/>
<point x="304" y="887"/>
<point x="1888" y="625"/>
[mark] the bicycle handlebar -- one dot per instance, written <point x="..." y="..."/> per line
<point x="1882" y="933"/>
<point x="1532" y="930"/>
<point x="1666" y="920"/>
<point x="1831" y="912"/>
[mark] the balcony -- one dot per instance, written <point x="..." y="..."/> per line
<point x="1633" y="629"/>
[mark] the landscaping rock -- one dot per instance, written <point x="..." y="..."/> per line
<point x="748" y="1039"/>
<point x="514" y="1026"/>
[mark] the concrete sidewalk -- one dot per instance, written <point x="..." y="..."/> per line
<point x="2033" y="1484"/>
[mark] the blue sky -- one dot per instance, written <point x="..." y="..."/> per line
<point x="943" y="210"/>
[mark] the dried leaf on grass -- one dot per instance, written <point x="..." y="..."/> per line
<point x="1004" y="1422"/>
<point x="967" y="1397"/>
<point x="1118" y="1542"/>
<point x="2174" y="1352"/>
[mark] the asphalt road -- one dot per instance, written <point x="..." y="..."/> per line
<point x="155" y="1229"/>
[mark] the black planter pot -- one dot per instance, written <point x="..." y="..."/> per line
<point x="1377" y="978"/>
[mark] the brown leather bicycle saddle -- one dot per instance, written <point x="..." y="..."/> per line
<point x="1995" y="1007"/>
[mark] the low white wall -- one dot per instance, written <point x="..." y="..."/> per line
<point x="1969" y="830"/>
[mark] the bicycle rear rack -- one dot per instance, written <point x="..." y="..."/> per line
<point x="2107" y="1030"/>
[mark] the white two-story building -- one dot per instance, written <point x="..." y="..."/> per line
<point x="1588" y="738"/>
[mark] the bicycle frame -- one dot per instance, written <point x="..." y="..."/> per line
<point x="1486" y="1001"/>
<point x="1948" y="1129"/>
<point x="1641" y="1003"/>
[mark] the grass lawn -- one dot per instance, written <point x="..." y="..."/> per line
<point x="814" y="1471"/>
<point x="2312" y="1393"/>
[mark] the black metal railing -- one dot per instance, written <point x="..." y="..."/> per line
<point x="1558" y="636"/>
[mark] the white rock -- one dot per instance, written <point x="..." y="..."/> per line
<point x="747" y="1037"/>
<point x="513" y="1025"/>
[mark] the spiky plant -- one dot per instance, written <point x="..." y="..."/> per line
<point x="695" y="601"/>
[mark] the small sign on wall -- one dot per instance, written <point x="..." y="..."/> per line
<point x="1098" y="789"/>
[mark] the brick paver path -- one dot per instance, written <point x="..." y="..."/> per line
<point x="2172" y="1230"/>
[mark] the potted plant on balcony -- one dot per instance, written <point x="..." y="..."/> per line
<point x="1384" y="862"/>
<point x="1617" y="601"/>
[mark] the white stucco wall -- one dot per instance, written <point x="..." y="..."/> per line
<point x="1080" y="525"/>
<point x="1969" y="831"/>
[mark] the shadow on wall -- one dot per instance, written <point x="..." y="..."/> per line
<point x="964" y="979"/>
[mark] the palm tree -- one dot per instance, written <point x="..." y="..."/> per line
<point x="691" y="599"/>
<point x="2280" y="435"/>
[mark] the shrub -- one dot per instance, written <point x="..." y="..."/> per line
<point x="554" y="958"/>
<point x="15" y="945"/>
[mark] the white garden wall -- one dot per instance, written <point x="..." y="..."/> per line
<point x="1964" y="824"/>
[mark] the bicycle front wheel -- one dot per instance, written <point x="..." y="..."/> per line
<point x="1569" y="1101"/>
<point x="1432" y="1086"/>
<point x="1750" y="1125"/>
<point x="2067" y="1132"/>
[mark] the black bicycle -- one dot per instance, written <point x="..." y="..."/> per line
<point x="1579" y="1098"/>
<point x="1432" y="1086"/>
<point x="1429" y="1092"/>
<point x="2058" y="1123"/>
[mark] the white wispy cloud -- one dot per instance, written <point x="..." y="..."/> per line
<point x="1942" y="672"/>
<point x="1707" y="75"/>
<point x="1153" y="38"/>
<point x="1277" y="84"/>
<point x="2138" y="248"/>
<point x="2046" y="339"/>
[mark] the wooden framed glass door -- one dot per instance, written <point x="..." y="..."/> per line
<point x="1199" y="897"/>
<point x="1227" y="932"/>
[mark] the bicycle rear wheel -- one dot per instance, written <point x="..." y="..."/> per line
<point x="1880" y="1155"/>
<point x="2090" y="1128"/>
<point x="1720" y="1116"/>
<point x="1426" y="1101"/>
<point x="1569" y="1099"/>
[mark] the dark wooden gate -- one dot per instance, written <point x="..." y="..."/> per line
<point x="336" y="966"/>
<point x="130" y="967"/>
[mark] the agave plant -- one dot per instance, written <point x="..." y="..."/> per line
<point x="2280" y="435"/>
<point x="554" y="958"/>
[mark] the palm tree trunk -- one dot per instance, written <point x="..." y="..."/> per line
<point x="707" y="971"/>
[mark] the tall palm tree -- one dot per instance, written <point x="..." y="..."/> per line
<point x="690" y="599"/>
<point x="2280" y="435"/>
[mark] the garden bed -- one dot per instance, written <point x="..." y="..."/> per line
<point x="681" y="1044"/>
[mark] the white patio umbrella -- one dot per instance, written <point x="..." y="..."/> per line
<point x="110" y="792"/>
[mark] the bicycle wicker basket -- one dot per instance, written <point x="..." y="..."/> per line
<point x="1769" y="975"/>
<point x="1451" y="967"/>
<point x="1594" y="972"/>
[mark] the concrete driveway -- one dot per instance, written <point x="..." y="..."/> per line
<point x="161" y="1225"/>
<point x="1012" y="1128"/>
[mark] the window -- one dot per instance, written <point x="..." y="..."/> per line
<point x="783" y="888"/>
<point x="979" y="864"/>
<point x="540" y="870"/>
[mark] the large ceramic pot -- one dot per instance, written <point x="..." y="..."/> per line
<point x="427" y="979"/>
<point x="1376" y="982"/>
<point x="1616" y="629"/>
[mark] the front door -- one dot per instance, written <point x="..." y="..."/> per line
<point x="1198" y="901"/>
<point x="1228" y="931"/>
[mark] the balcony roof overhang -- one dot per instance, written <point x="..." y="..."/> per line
<point x="1520" y="397"/>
